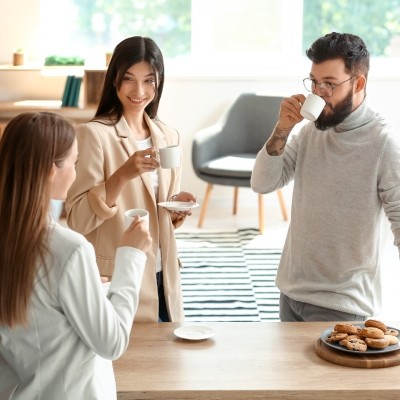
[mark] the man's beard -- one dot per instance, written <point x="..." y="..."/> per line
<point x="339" y="113"/>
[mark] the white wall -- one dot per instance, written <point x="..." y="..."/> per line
<point x="19" y="22"/>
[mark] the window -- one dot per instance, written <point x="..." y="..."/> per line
<point x="88" y="28"/>
<point x="377" y="23"/>
<point x="217" y="35"/>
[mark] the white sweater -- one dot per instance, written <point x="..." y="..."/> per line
<point x="343" y="178"/>
<point x="73" y="327"/>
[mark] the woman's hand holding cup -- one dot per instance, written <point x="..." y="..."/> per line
<point x="137" y="235"/>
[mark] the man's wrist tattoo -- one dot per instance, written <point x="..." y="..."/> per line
<point x="277" y="141"/>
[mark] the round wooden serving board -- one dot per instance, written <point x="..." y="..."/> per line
<point x="357" y="360"/>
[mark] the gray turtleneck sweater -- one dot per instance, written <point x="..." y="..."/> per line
<point x="343" y="178"/>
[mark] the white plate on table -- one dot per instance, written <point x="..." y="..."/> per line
<point x="194" y="332"/>
<point x="178" y="205"/>
<point x="337" y="346"/>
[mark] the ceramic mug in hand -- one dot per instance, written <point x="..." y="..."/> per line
<point x="312" y="107"/>
<point x="130" y="214"/>
<point x="170" y="156"/>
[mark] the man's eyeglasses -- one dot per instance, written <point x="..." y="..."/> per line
<point x="325" y="88"/>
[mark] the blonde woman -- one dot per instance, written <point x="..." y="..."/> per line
<point x="56" y="323"/>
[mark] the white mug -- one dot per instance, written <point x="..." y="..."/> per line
<point x="130" y="214"/>
<point x="312" y="107"/>
<point x="170" y="156"/>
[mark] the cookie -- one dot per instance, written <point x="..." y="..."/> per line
<point x="356" y="345"/>
<point x="371" y="332"/>
<point x="376" y="324"/>
<point x="377" y="343"/>
<point x="344" y="341"/>
<point x="393" y="332"/>
<point x="392" y="339"/>
<point x="336" y="337"/>
<point x="346" y="328"/>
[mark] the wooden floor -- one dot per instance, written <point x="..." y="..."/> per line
<point x="219" y="215"/>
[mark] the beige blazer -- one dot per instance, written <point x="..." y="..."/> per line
<point x="102" y="150"/>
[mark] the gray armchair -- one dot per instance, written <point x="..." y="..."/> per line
<point x="224" y="153"/>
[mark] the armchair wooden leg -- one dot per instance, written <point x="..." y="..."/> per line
<point x="205" y="205"/>
<point x="235" y="200"/>
<point x="261" y="214"/>
<point x="282" y="204"/>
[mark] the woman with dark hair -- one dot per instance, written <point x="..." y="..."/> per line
<point x="56" y="323"/>
<point x="120" y="171"/>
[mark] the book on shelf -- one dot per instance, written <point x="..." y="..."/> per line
<point x="67" y="90"/>
<point x="71" y="93"/>
<point x="76" y="88"/>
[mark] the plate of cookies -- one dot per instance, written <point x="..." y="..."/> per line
<point x="372" y="337"/>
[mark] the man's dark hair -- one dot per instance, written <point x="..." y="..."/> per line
<point x="350" y="48"/>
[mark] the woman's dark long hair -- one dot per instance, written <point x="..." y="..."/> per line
<point x="127" y="53"/>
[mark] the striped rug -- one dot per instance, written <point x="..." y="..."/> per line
<point x="228" y="276"/>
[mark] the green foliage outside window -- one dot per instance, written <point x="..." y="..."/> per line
<point x="376" y="22"/>
<point x="167" y="22"/>
<point x="104" y="23"/>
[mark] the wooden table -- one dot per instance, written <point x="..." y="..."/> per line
<point x="243" y="361"/>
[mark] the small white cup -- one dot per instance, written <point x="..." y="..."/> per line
<point x="312" y="107"/>
<point x="130" y="214"/>
<point x="170" y="156"/>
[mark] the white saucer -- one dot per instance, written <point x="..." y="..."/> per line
<point x="194" y="332"/>
<point x="178" y="205"/>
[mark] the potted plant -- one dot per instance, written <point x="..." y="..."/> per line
<point x="18" y="57"/>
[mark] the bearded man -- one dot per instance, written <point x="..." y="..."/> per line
<point x="345" y="168"/>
